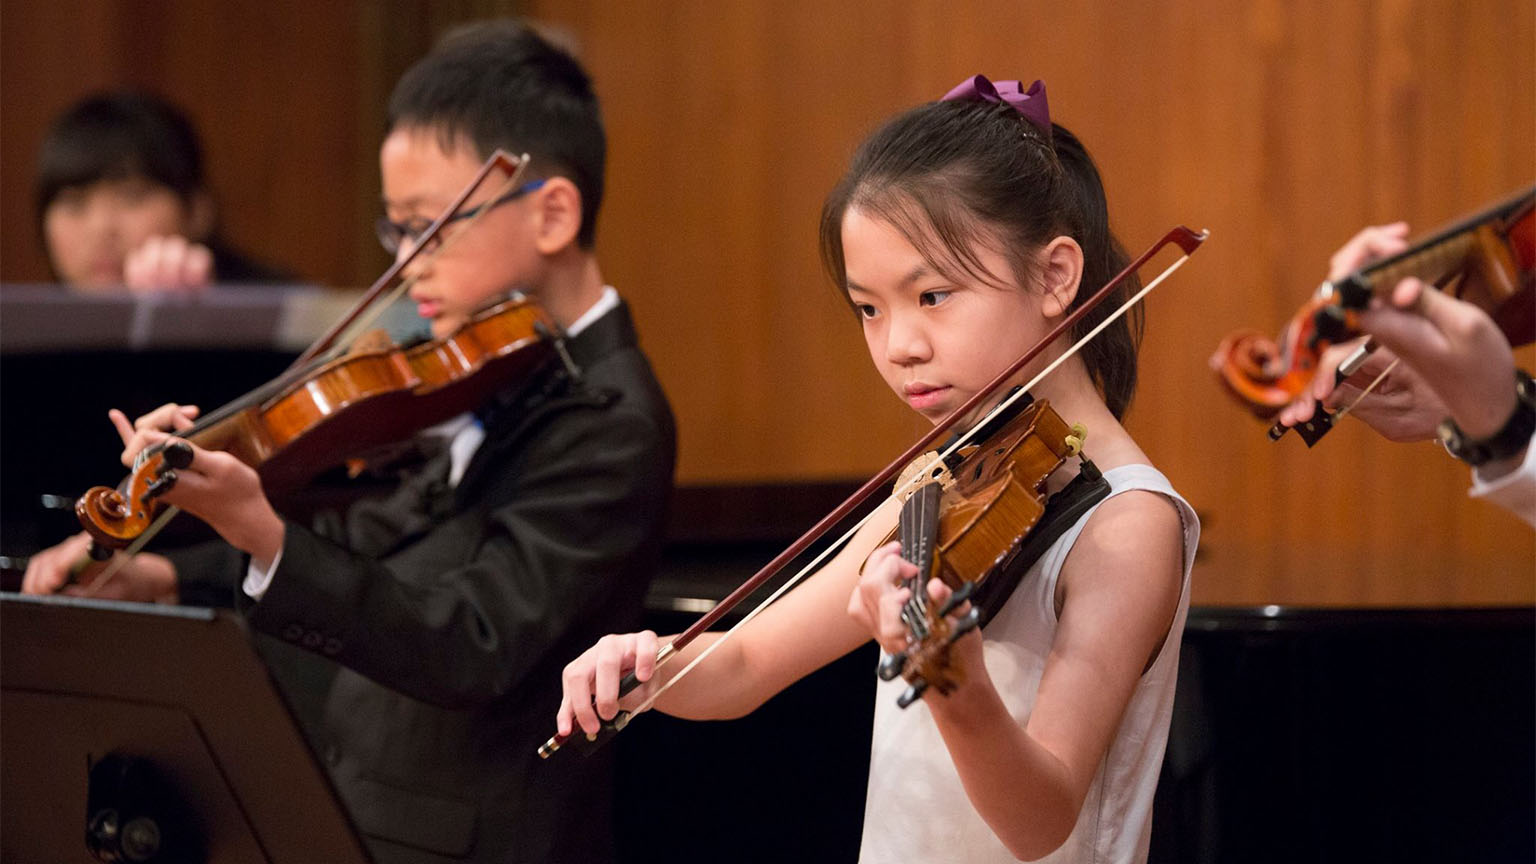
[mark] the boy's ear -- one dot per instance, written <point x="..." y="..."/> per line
<point x="557" y="215"/>
<point x="1061" y="274"/>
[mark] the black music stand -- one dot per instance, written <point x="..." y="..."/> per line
<point x="182" y="692"/>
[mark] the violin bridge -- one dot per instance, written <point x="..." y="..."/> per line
<point x="927" y="468"/>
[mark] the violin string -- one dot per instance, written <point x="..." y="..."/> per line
<point x="664" y="654"/>
<point x="1343" y="412"/>
<point x="443" y="245"/>
<point x="326" y="340"/>
<point x="1007" y="402"/>
<point x="339" y="348"/>
<point x="919" y="597"/>
<point x="912" y="540"/>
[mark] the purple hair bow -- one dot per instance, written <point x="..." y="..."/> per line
<point x="1030" y="103"/>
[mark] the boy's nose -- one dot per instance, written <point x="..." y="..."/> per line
<point x="418" y="268"/>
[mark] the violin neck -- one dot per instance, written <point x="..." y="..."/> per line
<point x="1482" y="240"/>
<point x="919" y="533"/>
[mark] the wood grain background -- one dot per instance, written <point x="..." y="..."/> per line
<point x="1281" y="126"/>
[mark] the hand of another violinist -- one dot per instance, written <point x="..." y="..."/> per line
<point x="1402" y="407"/>
<point x="215" y="486"/>
<point x="170" y="264"/>
<point x="590" y="683"/>
<point x="150" y="428"/>
<point x="67" y="569"/>
<point x="1455" y="347"/>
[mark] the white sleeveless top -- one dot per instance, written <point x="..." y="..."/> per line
<point x="916" y="810"/>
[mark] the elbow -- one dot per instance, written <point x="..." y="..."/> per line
<point x="1034" y="851"/>
<point x="1046" y="831"/>
<point x="735" y="709"/>
<point x="1037" y="847"/>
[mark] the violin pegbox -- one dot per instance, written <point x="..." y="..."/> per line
<point x="114" y="517"/>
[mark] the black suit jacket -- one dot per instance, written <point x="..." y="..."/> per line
<point x="451" y="612"/>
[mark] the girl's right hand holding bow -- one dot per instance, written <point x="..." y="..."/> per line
<point x="591" y="681"/>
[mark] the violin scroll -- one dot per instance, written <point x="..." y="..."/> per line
<point x="114" y="517"/>
<point x="1486" y="259"/>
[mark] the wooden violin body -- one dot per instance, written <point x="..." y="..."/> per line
<point x="295" y="427"/>
<point x="1488" y="259"/>
<point x="966" y="524"/>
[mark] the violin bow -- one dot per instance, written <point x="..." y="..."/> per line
<point x="515" y="166"/>
<point x="1187" y="239"/>
<point x="354" y="319"/>
<point x="1353" y="291"/>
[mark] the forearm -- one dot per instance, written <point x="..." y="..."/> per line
<point x="704" y="692"/>
<point x="722" y="687"/>
<point x="1022" y="791"/>
<point x="791" y="639"/>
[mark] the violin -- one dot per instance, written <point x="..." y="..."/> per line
<point x="1487" y="259"/>
<point x="329" y="407"/>
<point x="965" y="525"/>
<point x="920" y="473"/>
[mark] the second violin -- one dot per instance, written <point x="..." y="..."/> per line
<point x="1487" y="259"/>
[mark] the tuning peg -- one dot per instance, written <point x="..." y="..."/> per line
<point x="891" y="665"/>
<point x="1331" y="323"/>
<point x="912" y="694"/>
<point x="957" y="598"/>
<point x="965" y="625"/>
<point x="160" y="485"/>
<point x="177" y="454"/>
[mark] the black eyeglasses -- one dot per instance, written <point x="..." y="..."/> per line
<point x="393" y="235"/>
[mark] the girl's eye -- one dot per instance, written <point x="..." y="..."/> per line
<point x="933" y="298"/>
<point x="866" y="311"/>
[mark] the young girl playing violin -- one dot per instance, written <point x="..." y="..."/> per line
<point x="962" y="232"/>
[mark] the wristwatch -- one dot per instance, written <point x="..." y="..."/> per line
<point x="1506" y="442"/>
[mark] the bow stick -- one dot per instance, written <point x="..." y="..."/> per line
<point x="1185" y="238"/>
<point x="355" y="319"/>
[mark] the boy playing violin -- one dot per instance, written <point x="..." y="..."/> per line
<point x="450" y="605"/>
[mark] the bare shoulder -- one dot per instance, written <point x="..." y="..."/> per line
<point x="1129" y="554"/>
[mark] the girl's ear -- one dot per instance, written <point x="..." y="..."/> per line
<point x="1061" y="274"/>
<point x="557" y="215"/>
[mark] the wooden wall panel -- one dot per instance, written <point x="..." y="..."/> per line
<point x="273" y="89"/>
<point x="1281" y="126"/>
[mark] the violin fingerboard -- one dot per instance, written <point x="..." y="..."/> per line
<point x="919" y="536"/>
